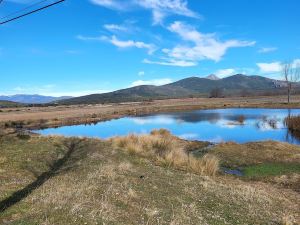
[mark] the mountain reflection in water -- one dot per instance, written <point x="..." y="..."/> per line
<point x="238" y="124"/>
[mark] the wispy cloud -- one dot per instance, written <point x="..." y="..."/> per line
<point x="162" y="8"/>
<point x="267" y="50"/>
<point x="121" y="43"/>
<point x="112" y="4"/>
<point x="130" y="43"/>
<point x="206" y="46"/>
<point x="197" y="46"/>
<point x="159" y="8"/>
<point x="155" y="82"/>
<point x="171" y="62"/>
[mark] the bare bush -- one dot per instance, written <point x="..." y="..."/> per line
<point x="291" y="74"/>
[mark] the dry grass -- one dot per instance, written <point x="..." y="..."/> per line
<point x="235" y="155"/>
<point x="53" y="116"/>
<point x="292" y="123"/>
<point x="105" y="187"/>
<point x="167" y="150"/>
<point x="289" y="220"/>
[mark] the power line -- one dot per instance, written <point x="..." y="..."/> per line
<point x="21" y="10"/>
<point x="31" y="12"/>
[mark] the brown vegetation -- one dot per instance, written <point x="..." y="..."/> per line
<point x="101" y="184"/>
<point x="53" y="116"/>
<point x="293" y="123"/>
<point x="167" y="150"/>
<point x="235" y="155"/>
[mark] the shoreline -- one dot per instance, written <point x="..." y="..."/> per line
<point x="34" y="118"/>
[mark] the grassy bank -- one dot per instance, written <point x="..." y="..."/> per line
<point x="270" y="161"/>
<point x="55" y="116"/>
<point x="90" y="181"/>
<point x="271" y="169"/>
<point x="239" y="155"/>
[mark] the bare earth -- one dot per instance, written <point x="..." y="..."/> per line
<point x="33" y="117"/>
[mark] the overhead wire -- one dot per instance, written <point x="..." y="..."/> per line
<point x="23" y="9"/>
<point x="29" y="13"/>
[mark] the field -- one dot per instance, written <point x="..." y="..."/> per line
<point x="54" y="180"/>
<point x="149" y="179"/>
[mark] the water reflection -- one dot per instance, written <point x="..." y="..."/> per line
<point x="239" y="125"/>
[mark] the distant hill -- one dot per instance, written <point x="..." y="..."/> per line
<point x="189" y="87"/>
<point x="32" y="99"/>
<point x="8" y="104"/>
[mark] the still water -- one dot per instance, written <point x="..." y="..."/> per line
<point x="240" y="125"/>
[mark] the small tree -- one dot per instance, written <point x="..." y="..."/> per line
<point x="291" y="74"/>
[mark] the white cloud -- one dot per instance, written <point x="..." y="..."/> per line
<point x="273" y="67"/>
<point x="141" y="73"/>
<point x="130" y="43"/>
<point x="204" y="46"/>
<point x="156" y="82"/>
<point x="160" y="8"/>
<point x="115" y="27"/>
<point x="276" y="67"/>
<point x="111" y="4"/>
<point x="267" y="50"/>
<point x="171" y="62"/>
<point x="225" y="73"/>
<point x="121" y="44"/>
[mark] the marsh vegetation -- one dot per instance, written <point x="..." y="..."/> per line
<point x="139" y="180"/>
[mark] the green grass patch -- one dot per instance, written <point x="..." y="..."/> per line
<point x="271" y="169"/>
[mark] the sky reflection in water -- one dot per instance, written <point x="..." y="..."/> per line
<point x="239" y="125"/>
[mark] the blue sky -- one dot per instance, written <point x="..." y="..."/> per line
<point x="93" y="46"/>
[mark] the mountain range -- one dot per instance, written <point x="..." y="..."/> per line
<point x="235" y="85"/>
<point x="32" y="99"/>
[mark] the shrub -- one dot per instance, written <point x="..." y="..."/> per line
<point x="292" y="123"/>
<point x="167" y="150"/>
<point x="162" y="132"/>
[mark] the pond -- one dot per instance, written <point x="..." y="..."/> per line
<point x="216" y="125"/>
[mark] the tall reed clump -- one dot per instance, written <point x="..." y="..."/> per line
<point x="292" y="123"/>
<point x="167" y="150"/>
